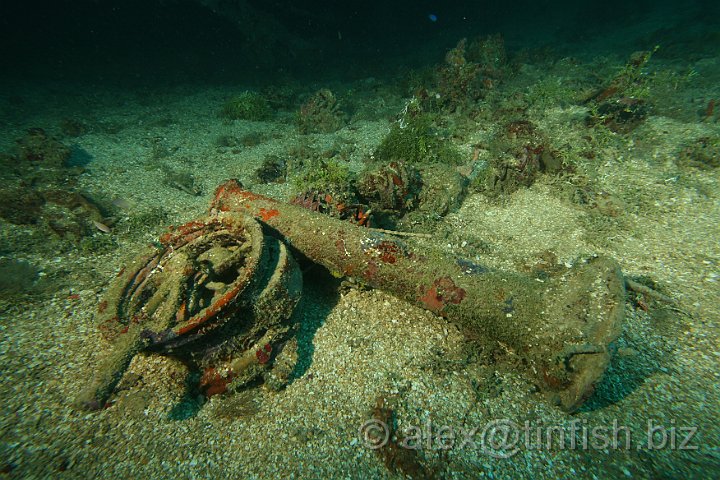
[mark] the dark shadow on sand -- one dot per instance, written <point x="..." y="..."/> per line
<point x="645" y="348"/>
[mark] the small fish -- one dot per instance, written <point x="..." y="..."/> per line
<point x="432" y="17"/>
<point x="121" y="203"/>
<point x="101" y="226"/>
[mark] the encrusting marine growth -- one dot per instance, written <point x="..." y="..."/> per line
<point x="220" y="289"/>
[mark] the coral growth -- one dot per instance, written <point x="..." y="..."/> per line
<point x="458" y="81"/>
<point x="390" y="191"/>
<point x="469" y="71"/>
<point x="490" y="56"/>
<point x="391" y="187"/>
<point x="328" y="176"/>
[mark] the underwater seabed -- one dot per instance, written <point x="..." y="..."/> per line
<point x="528" y="166"/>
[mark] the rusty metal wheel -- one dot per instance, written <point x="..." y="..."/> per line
<point x="211" y="287"/>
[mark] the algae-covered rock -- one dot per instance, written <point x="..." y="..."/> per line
<point x="458" y="81"/>
<point x="622" y="104"/>
<point x="489" y="54"/>
<point x="413" y="139"/>
<point x="443" y="190"/>
<point x="394" y="187"/>
<point x="16" y="276"/>
<point x="390" y="191"/>
<point x="247" y="106"/>
<point x="21" y="205"/>
<point x="272" y="170"/>
<point x="327" y="176"/>
<point x="704" y="154"/>
<point x="519" y="154"/>
<point x="321" y="113"/>
<point x="70" y="214"/>
<point x="43" y="191"/>
<point x="37" y="148"/>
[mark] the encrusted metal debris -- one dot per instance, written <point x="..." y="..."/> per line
<point x="218" y="291"/>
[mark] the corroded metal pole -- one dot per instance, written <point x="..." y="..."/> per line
<point x="561" y="327"/>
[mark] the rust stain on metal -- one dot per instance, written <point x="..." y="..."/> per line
<point x="266" y="214"/>
<point x="371" y="271"/>
<point x="501" y="305"/>
<point x="211" y="311"/>
<point x="340" y="245"/>
<point x="442" y="292"/>
<point x="388" y="251"/>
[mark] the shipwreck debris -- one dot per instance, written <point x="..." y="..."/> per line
<point x="538" y="319"/>
<point x="215" y="292"/>
<point x="219" y="289"/>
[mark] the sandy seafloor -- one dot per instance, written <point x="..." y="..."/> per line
<point x="359" y="343"/>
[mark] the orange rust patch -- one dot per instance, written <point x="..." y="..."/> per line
<point x="165" y="238"/>
<point x="248" y="195"/>
<point x="229" y="188"/>
<point x="181" y="313"/>
<point x="442" y="292"/>
<point x="190" y="227"/>
<point x="263" y="354"/>
<point x="230" y="193"/>
<point x="214" y="383"/>
<point x="432" y="300"/>
<point x="388" y="251"/>
<point x="268" y="214"/>
<point x="211" y="311"/>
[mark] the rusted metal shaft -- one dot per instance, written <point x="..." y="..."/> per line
<point x="561" y="327"/>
